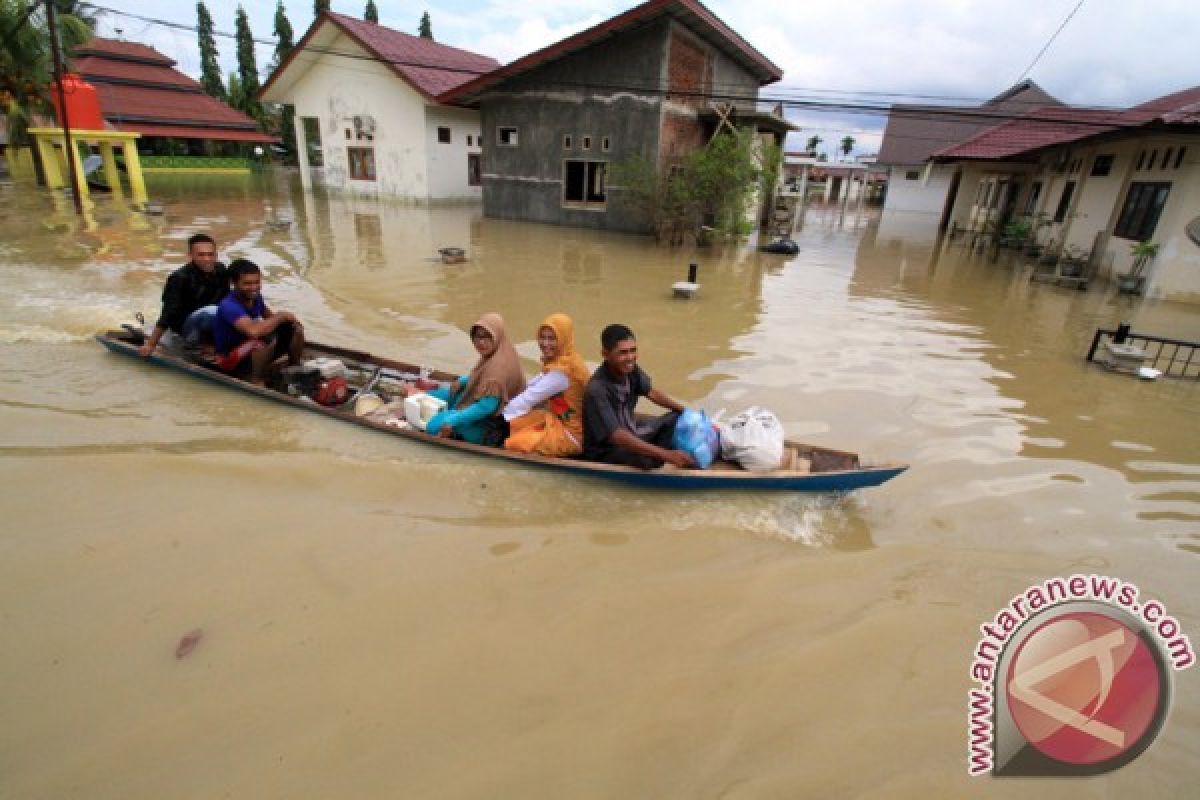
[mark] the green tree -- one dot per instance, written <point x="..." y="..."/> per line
<point x="84" y="12"/>
<point x="847" y="145"/>
<point x="319" y="6"/>
<point x="26" y="64"/>
<point x="237" y="95"/>
<point x="210" y="71"/>
<point x="247" y="70"/>
<point x="426" y="28"/>
<point x="813" y="141"/>
<point x="284" y="46"/>
<point x="372" y="13"/>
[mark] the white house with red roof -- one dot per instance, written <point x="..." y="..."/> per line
<point x="367" y="115"/>
<point x="1095" y="182"/>
<point x="140" y="91"/>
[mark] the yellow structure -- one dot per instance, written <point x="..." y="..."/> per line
<point x="51" y="145"/>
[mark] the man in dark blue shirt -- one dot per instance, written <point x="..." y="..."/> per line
<point x="189" y="300"/>
<point x="250" y="336"/>
<point x="611" y="432"/>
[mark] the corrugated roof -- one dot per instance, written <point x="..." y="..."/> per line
<point x="1177" y="108"/>
<point x="97" y="69"/>
<point x="428" y="66"/>
<point x="167" y="106"/>
<point x="691" y="13"/>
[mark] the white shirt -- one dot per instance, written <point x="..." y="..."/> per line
<point x="540" y="388"/>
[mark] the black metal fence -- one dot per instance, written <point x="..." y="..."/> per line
<point x="1176" y="358"/>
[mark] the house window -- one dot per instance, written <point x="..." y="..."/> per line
<point x="444" y="135"/>
<point x="1153" y="158"/>
<point x="567" y="141"/>
<point x="1143" y="206"/>
<point x="362" y="163"/>
<point x="1064" y="202"/>
<point x="912" y="175"/>
<point x="587" y="143"/>
<point x="1035" y="194"/>
<point x="506" y="137"/>
<point x="1179" y="157"/>
<point x="470" y="141"/>
<point x="474" y="169"/>
<point x="583" y="184"/>
<point x="605" y="144"/>
<point x="347" y="134"/>
<point x="1141" y="159"/>
<point x="1167" y="158"/>
<point x="312" y="141"/>
<point x="1102" y="166"/>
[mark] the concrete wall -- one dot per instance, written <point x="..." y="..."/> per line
<point x="569" y="97"/>
<point x="336" y="89"/>
<point x="447" y="163"/>
<point x="925" y="195"/>
<point x="615" y="90"/>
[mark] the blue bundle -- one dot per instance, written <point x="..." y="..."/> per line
<point x="696" y="436"/>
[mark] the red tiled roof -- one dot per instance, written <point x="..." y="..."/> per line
<point x="1177" y="108"/>
<point x="184" y="132"/>
<point x="139" y="90"/>
<point x="167" y="106"/>
<point x="96" y="69"/>
<point x="1042" y="128"/>
<point x="429" y="67"/>
<point x="691" y="12"/>
<point x="116" y="48"/>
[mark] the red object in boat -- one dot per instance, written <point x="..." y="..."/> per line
<point x="83" y="106"/>
<point x="332" y="392"/>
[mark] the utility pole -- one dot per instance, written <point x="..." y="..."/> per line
<point x="69" y="145"/>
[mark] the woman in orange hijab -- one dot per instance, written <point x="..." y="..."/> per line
<point x="547" y="417"/>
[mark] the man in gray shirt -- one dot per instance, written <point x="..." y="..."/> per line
<point x="611" y="432"/>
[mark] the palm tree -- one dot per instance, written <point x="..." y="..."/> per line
<point x="26" y="68"/>
<point x="847" y="145"/>
<point x="813" y="141"/>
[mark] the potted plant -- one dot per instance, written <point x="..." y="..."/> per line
<point x="1143" y="253"/>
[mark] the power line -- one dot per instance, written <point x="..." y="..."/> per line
<point x="1049" y="42"/>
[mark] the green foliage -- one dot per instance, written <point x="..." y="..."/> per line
<point x="247" y="69"/>
<point x="813" y="141"/>
<point x="210" y="71"/>
<point x="847" y="145"/>
<point x="319" y="6"/>
<point x="711" y="187"/>
<point x="371" y="14"/>
<point x="284" y="36"/>
<point x="1143" y="253"/>
<point x="426" y="28"/>
<point x="237" y="95"/>
<point x="26" y="63"/>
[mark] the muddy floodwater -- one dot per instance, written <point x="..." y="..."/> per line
<point x="206" y="595"/>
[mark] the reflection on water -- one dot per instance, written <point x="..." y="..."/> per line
<point x="427" y="605"/>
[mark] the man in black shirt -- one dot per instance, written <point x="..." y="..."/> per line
<point x="189" y="300"/>
<point x="611" y="433"/>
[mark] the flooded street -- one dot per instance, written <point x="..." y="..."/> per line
<point x="383" y="619"/>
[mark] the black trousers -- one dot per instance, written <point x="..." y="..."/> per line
<point x="660" y="435"/>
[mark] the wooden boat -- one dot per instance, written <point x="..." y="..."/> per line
<point x="806" y="467"/>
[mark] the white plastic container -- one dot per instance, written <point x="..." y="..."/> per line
<point x="420" y="408"/>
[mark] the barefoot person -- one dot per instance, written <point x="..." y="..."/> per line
<point x="249" y="335"/>
<point x="611" y="433"/>
<point x="189" y="300"/>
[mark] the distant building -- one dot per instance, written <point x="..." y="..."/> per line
<point x="367" y="114"/>
<point x="653" y="83"/>
<point x="140" y="91"/>
<point x="1092" y="180"/>
<point x="915" y="132"/>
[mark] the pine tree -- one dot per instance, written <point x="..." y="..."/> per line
<point x="426" y="29"/>
<point x="372" y="13"/>
<point x="319" y="6"/>
<point x="247" y="67"/>
<point x="210" y="72"/>
<point x="283" y="46"/>
<point x="237" y="97"/>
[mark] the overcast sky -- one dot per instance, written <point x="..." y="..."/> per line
<point x="1111" y="53"/>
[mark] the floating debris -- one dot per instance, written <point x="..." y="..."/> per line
<point x="188" y="643"/>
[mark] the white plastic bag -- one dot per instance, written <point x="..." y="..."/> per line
<point x="753" y="438"/>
